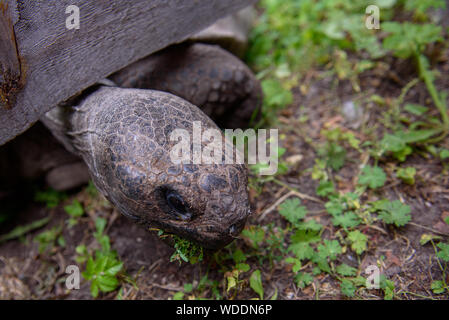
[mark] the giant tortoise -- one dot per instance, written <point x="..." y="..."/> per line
<point x="117" y="132"/>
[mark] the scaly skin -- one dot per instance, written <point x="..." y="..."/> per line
<point x="205" y="75"/>
<point x="123" y="136"/>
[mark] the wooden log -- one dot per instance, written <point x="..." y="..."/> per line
<point x="43" y="63"/>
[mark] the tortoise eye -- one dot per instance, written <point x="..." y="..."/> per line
<point x="177" y="204"/>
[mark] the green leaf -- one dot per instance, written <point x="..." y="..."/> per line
<point x="75" y="209"/>
<point x="244" y="267"/>
<point x="415" y="136"/>
<point x="415" y="109"/>
<point x="330" y="249"/>
<point x="444" y="251"/>
<point x="238" y="256"/>
<point x="444" y="154"/>
<point x="388" y="287"/>
<point x="296" y="263"/>
<point x="305" y="236"/>
<point x="232" y="282"/>
<point x="309" y="225"/>
<point x="373" y="177"/>
<point x="178" y="295"/>
<point x="358" y="241"/>
<point x="438" y="287"/>
<point x="393" y="212"/>
<point x="392" y="143"/>
<point x="61" y="241"/>
<point x="347" y="288"/>
<point x="426" y="237"/>
<point x="407" y="175"/>
<point x="402" y="154"/>
<point x="107" y="283"/>
<point x="336" y="156"/>
<point x="406" y="39"/>
<point x="346" y="270"/>
<point x="94" y="289"/>
<point x="90" y="269"/>
<point x="303" y="279"/>
<point x="81" y="249"/>
<point x="292" y="210"/>
<point x="188" y="287"/>
<point x="325" y="188"/>
<point x="46" y="239"/>
<point x="22" y="230"/>
<point x="346" y="220"/>
<point x="420" y="7"/>
<point x="300" y="243"/>
<point x="255" y="234"/>
<point x="384" y="4"/>
<point x="275" y="95"/>
<point x="334" y="206"/>
<point x="50" y="197"/>
<point x="301" y="250"/>
<point x="113" y="270"/>
<point x="275" y="294"/>
<point x="255" y="282"/>
<point x="100" y="225"/>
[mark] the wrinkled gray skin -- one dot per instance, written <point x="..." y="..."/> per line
<point x="123" y="136"/>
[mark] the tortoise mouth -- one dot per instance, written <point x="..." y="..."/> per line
<point x="210" y="239"/>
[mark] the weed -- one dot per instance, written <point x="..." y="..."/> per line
<point x="48" y="238"/>
<point x="50" y="197"/>
<point x="20" y="231"/>
<point x="185" y="250"/>
<point x="75" y="211"/>
<point x="103" y="269"/>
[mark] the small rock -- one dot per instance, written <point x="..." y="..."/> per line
<point x="293" y="160"/>
<point x="352" y="113"/>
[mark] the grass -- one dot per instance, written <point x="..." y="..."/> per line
<point x="324" y="35"/>
<point x="319" y="240"/>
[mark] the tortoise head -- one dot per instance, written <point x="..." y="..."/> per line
<point x="131" y="160"/>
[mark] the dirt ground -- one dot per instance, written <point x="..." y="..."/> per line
<point x="24" y="273"/>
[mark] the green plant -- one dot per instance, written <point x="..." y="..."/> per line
<point x="255" y="281"/>
<point x="409" y="40"/>
<point x="48" y="238"/>
<point x="373" y="177"/>
<point x="441" y="254"/>
<point x="103" y="268"/>
<point x="186" y="250"/>
<point x="255" y="235"/>
<point x="291" y="210"/>
<point x="20" y="231"/>
<point x="75" y="211"/>
<point x="407" y="175"/>
<point x="50" y="197"/>
<point x="358" y="241"/>
<point x="343" y="209"/>
<point x="393" y="212"/>
<point x="290" y="37"/>
<point x="420" y="8"/>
